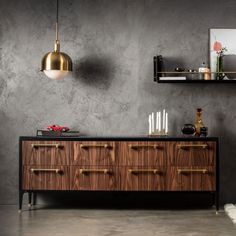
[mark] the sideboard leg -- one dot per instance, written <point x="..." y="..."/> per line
<point x="21" y="193"/>
<point x="29" y="199"/>
<point x="34" y="198"/>
<point x="217" y="202"/>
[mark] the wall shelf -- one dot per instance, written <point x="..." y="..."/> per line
<point x="191" y="77"/>
<point x="198" y="81"/>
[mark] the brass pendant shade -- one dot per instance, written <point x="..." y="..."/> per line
<point x="56" y="61"/>
<point x="56" y="64"/>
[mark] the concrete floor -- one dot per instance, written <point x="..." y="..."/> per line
<point x="95" y="222"/>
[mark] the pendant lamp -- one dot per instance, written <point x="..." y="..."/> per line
<point x="56" y="64"/>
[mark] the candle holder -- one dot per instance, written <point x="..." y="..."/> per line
<point x="158" y="124"/>
<point x="158" y="133"/>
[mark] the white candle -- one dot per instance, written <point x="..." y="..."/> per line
<point x="153" y="127"/>
<point x="150" y="124"/>
<point x="166" y="122"/>
<point x="159" y="115"/>
<point x="157" y="121"/>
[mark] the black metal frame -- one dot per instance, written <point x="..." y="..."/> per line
<point x="32" y="194"/>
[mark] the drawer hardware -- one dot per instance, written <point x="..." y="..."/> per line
<point x="183" y="146"/>
<point x="94" y="145"/>
<point x="57" y="171"/>
<point x="203" y="171"/>
<point x="136" y="171"/>
<point x="86" y="171"/>
<point x="36" y="145"/>
<point x="143" y="146"/>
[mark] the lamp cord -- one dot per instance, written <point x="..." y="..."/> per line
<point x="57" y="28"/>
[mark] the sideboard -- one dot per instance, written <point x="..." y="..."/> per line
<point x="164" y="164"/>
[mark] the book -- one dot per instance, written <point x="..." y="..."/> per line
<point x="158" y="66"/>
<point x="48" y="133"/>
<point x="173" y="78"/>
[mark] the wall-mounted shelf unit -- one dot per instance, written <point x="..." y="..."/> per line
<point x="160" y="76"/>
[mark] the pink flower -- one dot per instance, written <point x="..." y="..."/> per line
<point x="217" y="47"/>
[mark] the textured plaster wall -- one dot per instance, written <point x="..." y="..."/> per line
<point x="111" y="90"/>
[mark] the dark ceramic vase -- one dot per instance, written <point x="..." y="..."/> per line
<point x="188" y="129"/>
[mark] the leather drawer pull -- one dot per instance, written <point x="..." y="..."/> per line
<point x="57" y="171"/>
<point x="137" y="171"/>
<point x="183" y="146"/>
<point x="144" y="146"/>
<point x="87" y="171"/>
<point x="203" y="171"/>
<point x="37" y="145"/>
<point x="94" y="146"/>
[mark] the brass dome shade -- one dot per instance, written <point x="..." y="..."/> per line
<point x="56" y="64"/>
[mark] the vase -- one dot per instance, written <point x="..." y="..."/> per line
<point x="219" y="68"/>
<point x="199" y="123"/>
<point x="188" y="129"/>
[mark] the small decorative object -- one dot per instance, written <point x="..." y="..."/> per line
<point x="199" y="123"/>
<point x="158" y="126"/>
<point x="203" y="131"/>
<point x="188" y="129"/>
<point x="223" y="53"/>
<point x="192" y="73"/>
<point x="179" y="69"/>
<point x="207" y="75"/>
<point x="58" y="128"/>
<point x="201" y="70"/>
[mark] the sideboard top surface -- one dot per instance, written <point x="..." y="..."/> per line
<point x="120" y="138"/>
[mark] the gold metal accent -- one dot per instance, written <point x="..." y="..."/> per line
<point x="155" y="146"/>
<point x="182" y="146"/>
<point x="204" y="171"/>
<point x="57" y="171"/>
<point x="56" y="60"/>
<point x="94" y="145"/>
<point x="86" y="171"/>
<point x="36" y="145"/>
<point x="158" y="133"/>
<point x="136" y="171"/>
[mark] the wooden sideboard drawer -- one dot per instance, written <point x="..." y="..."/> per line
<point x="46" y="178"/>
<point x="142" y="179"/>
<point x="45" y="153"/>
<point x="142" y="154"/>
<point x="192" y="153"/>
<point x="102" y="178"/>
<point x="191" y="178"/>
<point x="93" y="153"/>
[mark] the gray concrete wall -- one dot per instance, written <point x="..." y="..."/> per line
<point x="111" y="91"/>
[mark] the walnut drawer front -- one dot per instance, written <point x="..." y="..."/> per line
<point x="142" y="154"/>
<point x="93" y="153"/>
<point x="46" y="178"/>
<point x="192" y="153"/>
<point x="45" y="153"/>
<point x="142" y="179"/>
<point x="102" y="178"/>
<point x="191" y="178"/>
